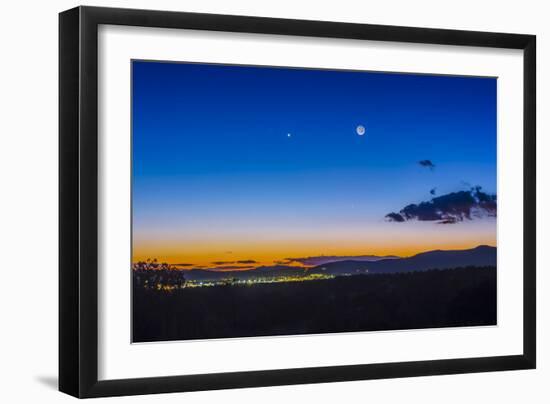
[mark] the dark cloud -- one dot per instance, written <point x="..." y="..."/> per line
<point x="233" y="267"/>
<point x="183" y="265"/>
<point x="427" y="164"/>
<point x="450" y="220"/>
<point x="450" y="208"/>
<point x="325" y="259"/>
<point x="394" y="217"/>
<point x="234" y="262"/>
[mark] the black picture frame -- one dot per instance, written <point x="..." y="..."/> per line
<point x="78" y="196"/>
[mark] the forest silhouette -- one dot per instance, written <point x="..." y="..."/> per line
<point x="369" y="302"/>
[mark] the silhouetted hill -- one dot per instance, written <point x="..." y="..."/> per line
<point x="438" y="259"/>
<point x="263" y="271"/>
<point x="398" y="301"/>
<point x="325" y="259"/>
<point x="277" y="268"/>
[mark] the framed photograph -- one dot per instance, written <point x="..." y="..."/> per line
<point x="251" y="201"/>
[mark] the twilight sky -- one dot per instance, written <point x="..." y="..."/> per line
<point x="257" y="163"/>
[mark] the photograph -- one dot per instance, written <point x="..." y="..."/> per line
<point x="269" y="203"/>
<point x="272" y="200"/>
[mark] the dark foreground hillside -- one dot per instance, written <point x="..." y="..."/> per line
<point x="437" y="298"/>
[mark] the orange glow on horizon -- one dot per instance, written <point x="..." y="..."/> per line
<point x="241" y="246"/>
<point x="236" y="257"/>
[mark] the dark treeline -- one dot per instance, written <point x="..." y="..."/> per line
<point x="152" y="279"/>
<point x="436" y="298"/>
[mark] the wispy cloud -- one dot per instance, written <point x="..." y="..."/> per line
<point x="427" y="164"/>
<point x="217" y="263"/>
<point x="324" y="259"/>
<point x="232" y="267"/>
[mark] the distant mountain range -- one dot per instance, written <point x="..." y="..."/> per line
<point x="263" y="271"/>
<point x="438" y="259"/>
<point x="325" y="259"/>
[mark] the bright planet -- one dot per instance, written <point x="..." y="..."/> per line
<point x="360" y="130"/>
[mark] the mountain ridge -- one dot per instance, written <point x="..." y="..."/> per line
<point x="482" y="255"/>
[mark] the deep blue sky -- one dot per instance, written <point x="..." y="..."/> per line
<point x="213" y="159"/>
